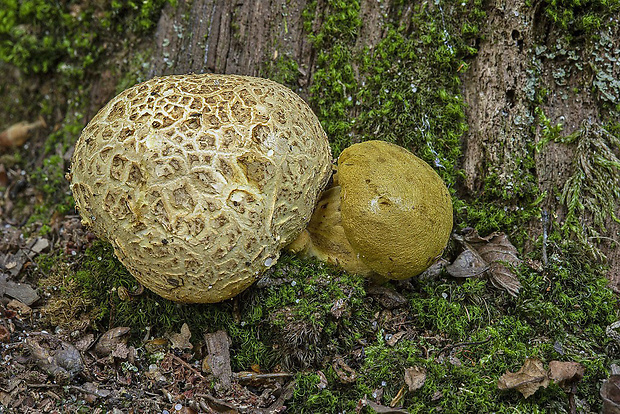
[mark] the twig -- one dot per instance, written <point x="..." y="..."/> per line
<point x="545" y="223"/>
<point x="72" y="387"/>
<point x="460" y="344"/>
<point x="186" y="365"/>
<point x="571" y="403"/>
<point x="252" y="376"/>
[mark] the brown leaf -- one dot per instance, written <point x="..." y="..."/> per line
<point x="565" y="374"/>
<point x="382" y="409"/>
<point x="110" y="340"/>
<point x="393" y="340"/>
<point x="181" y="340"/>
<point x="85" y="342"/>
<point x="345" y="373"/>
<point x="501" y="256"/>
<point x="21" y="308"/>
<point x="468" y="264"/>
<point x="216" y="405"/>
<point x="58" y="358"/>
<point x="5" y="334"/>
<point x="121" y="351"/>
<point x="17" y="134"/>
<point x="527" y="380"/>
<point x="610" y="393"/>
<point x="415" y="377"/>
<point x="156" y="345"/>
<point x="278" y="406"/>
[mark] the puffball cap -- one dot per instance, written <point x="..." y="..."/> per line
<point x="396" y="210"/>
<point x="198" y="181"/>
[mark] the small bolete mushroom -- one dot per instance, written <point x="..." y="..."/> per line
<point x="198" y="181"/>
<point x="387" y="213"/>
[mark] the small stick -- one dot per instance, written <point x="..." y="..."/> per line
<point x="460" y="344"/>
<point x="186" y="365"/>
<point x="545" y="223"/>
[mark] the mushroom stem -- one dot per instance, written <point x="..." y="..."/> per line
<point x="324" y="237"/>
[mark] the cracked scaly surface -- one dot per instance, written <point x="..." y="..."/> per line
<point x="198" y="181"/>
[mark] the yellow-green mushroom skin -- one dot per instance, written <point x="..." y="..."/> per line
<point x="396" y="211"/>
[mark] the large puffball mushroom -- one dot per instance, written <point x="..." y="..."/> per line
<point x="388" y="213"/>
<point x="198" y="181"/>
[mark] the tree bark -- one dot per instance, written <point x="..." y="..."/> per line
<point x="519" y="54"/>
<point x="499" y="91"/>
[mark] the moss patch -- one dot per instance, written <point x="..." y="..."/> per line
<point x="57" y="48"/>
<point x="288" y="322"/>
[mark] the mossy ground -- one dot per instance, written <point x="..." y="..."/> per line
<point x="406" y="90"/>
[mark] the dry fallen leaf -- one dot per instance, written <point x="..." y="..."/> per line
<point x="496" y="251"/>
<point x="85" y="342"/>
<point x="527" y="380"/>
<point x="181" y="340"/>
<point x="21" y="308"/>
<point x="5" y="334"/>
<point x="111" y="340"/>
<point x="415" y="377"/>
<point x="58" y="358"/>
<point x="468" y="264"/>
<point x="345" y="373"/>
<point x="382" y="409"/>
<point x="610" y="393"/>
<point x="156" y="345"/>
<point x="393" y="340"/>
<point x="565" y="374"/>
<point x="17" y="134"/>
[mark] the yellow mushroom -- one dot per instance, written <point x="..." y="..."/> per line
<point x="387" y="213"/>
<point x="198" y="181"/>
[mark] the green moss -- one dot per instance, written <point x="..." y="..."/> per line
<point x="135" y="72"/>
<point x="579" y="16"/>
<point x="406" y="90"/>
<point x="256" y="320"/>
<point x="591" y="193"/>
<point x="559" y="315"/>
<point x="283" y="69"/>
<point x="403" y="90"/>
<point x="46" y="37"/>
<point x="60" y="43"/>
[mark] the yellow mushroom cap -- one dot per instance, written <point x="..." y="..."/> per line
<point x="396" y="211"/>
<point x="198" y="181"/>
